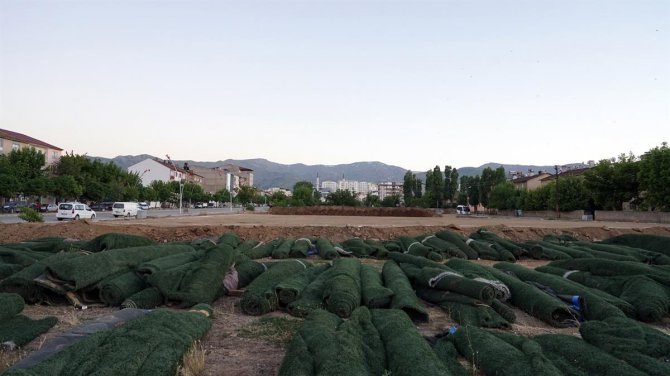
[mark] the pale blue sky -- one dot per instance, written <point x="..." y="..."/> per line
<point x="409" y="83"/>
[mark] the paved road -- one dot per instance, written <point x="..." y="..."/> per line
<point x="153" y="213"/>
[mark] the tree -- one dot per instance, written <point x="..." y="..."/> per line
<point x="278" y="198"/>
<point x="303" y="194"/>
<point x="342" y="198"/>
<point x="489" y="179"/>
<point x="470" y="188"/>
<point x="372" y="200"/>
<point x="572" y="195"/>
<point x="391" y="201"/>
<point x="611" y="183"/>
<point x="222" y="195"/>
<point x="66" y="188"/>
<point x="450" y="183"/>
<point x="408" y="187"/>
<point x="537" y="199"/>
<point x="434" y="187"/>
<point x="654" y="174"/>
<point x="246" y="194"/>
<point x="505" y="196"/>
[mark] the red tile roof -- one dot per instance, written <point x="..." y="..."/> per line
<point x="524" y="179"/>
<point x="20" y="137"/>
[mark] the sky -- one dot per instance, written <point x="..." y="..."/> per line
<point x="408" y="83"/>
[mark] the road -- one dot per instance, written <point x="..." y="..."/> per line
<point x="152" y="213"/>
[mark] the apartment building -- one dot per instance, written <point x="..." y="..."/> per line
<point x="228" y="176"/>
<point x="154" y="169"/>
<point x="10" y="140"/>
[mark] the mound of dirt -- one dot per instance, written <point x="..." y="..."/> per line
<point x="354" y="211"/>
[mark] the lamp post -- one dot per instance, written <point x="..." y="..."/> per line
<point x="558" y="213"/>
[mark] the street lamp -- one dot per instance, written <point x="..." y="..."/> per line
<point x="558" y="213"/>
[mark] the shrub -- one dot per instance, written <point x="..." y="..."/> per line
<point x="31" y="215"/>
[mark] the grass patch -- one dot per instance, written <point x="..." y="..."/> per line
<point x="193" y="361"/>
<point x="278" y="330"/>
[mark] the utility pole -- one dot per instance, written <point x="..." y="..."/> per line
<point x="558" y="213"/>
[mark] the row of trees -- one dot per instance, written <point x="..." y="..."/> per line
<point x="75" y="177"/>
<point x="440" y="188"/>
<point x="641" y="182"/>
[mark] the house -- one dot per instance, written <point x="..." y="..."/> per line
<point x="387" y="189"/>
<point x="10" y="140"/>
<point x="564" y="174"/>
<point x="228" y="176"/>
<point x="154" y="169"/>
<point x="530" y="182"/>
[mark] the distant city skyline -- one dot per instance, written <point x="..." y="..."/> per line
<point x="406" y="83"/>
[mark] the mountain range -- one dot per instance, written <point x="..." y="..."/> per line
<point x="270" y="174"/>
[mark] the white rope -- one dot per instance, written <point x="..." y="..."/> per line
<point x="467" y="242"/>
<point x="410" y="246"/>
<point x="305" y="239"/>
<point x="342" y="251"/>
<point x="258" y="245"/>
<point x="301" y="263"/>
<point x="567" y="274"/>
<point x="499" y="286"/>
<point x="435" y="280"/>
<point x="265" y="267"/>
<point x="426" y="238"/>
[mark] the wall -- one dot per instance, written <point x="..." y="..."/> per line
<point x="577" y="214"/>
<point x="633" y="216"/>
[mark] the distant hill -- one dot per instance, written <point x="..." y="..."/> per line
<point x="270" y="174"/>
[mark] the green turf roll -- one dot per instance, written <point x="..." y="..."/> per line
<point x="10" y="305"/>
<point x="259" y="297"/>
<point x="113" y="291"/>
<point x="373" y="292"/>
<point x="148" y="298"/>
<point x="407" y="353"/>
<point x="262" y="250"/>
<point x="289" y="289"/>
<point x="283" y="249"/>
<point x="404" y="297"/>
<point x="311" y="297"/>
<point x="19" y="330"/>
<point x="442" y="246"/>
<point x="452" y="281"/>
<point x="326" y="249"/>
<point x="150" y="345"/>
<point x="229" y="238"/>
<point x="448" y="355"/>
<point x="113" y="240"/>
<point x="413" y="247"/>
<point x="459" y="241"/>
<point x="342" y="292"/>
<point x="513" y="247"/>
<point x="654" y="243"/>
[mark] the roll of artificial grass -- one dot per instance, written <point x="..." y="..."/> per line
<point x="311" y="297"/>
<point x="459" y="241"/>
<point x="378" y="249"/>
<point x="407" y="352"/>
<point x="109" y="241"/>
<point x="326" y="249"/>
<point x="229" y="238"/>
<point x="246" y="245"/>
<point x="574" y="356"/>
<point x="448" y="355"/>
<point x="358" y="247"/>
<point x="373" y="292"/>
<point x="413" y="247"/>
<point x="149" y="345"/>
<point x="148" y="298"/>
<point x="654" y="243"/>
<point x="113" y="291"/>
<point x="10" y="305"/>
<point x="262" y="250"/>
<point x="452" y="281"/>
<point x="442" y="246"/>
<point x="463" y="309"/>
<point x="168" y="262"/>
<point x="259" y="297"/>
<point x="494" y="355"/>
<point x="514" y="248"/>
<point x="404" y="297"/>
<point x="84" y="271"/>
<point x="289" y="289"/>
<point x="342" y="291"/>
<point x="283" y="249"/>
<point x="301" y="248"/>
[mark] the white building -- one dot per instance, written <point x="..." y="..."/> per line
<point x="150" y="170"/>
<point x="389" y="189"/>
<point x="329" y="186"/>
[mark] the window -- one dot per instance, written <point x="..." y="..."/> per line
<point x="1" y="145"/>
<point x="15" y="146"/>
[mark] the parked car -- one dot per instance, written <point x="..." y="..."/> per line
<point x="102" y="206"/>
<point x="48" y="208"/>
<point x="14" y="206"/>
<point x="463" y="210"/>
<point x="143" y="206"/>
<point x="199" y="205"/>
<point x="125" y="209"/>
<point x="74" y="210"/>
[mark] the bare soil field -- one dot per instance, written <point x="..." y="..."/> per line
<point x="233" y="346"/>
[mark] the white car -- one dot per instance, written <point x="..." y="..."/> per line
<point x="74" y="210"/>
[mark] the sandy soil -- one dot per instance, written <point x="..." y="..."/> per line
<point x="228" y="352"/>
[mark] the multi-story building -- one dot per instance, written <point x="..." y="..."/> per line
<point x="153" y="169"/>
<point x="10" y="140"/>
<point x="328" y="186"/>
<point x="228" y="176"/>
<point x="387" y="189"/>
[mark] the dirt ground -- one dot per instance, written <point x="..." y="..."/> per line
<point x="228" y="351"/>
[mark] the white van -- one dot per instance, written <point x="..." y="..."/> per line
<point x="463" y="210"/>
<point x="74" y="210"/>
<point x="125" y="209"/>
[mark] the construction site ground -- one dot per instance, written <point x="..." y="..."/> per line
<point x="235" y="346"/>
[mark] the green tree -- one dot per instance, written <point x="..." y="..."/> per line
<point x="654" y="174"/>
<point x="222" y="195"/>
<point x="66" y="188"/>
<point x="372" y="200"/>
<point x="489" y="179"/>
<point x="612" y="183"/>
<point x="470" y="188"/>
<point x="409" y="182"/>
<point x="9" y="185"/>
<point x="278" y="198"/>
<point x="537" y="199"/>
<point x="434" y="187"/>
<point x="505" y="196"/>
<point x="342" y="198"/>
<point x="450" y="183"/>
<point x="246" y="194"/>
<point x="303" y="194"/>
<point x="391" y="201"/>
<point x="572" y="194"/>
